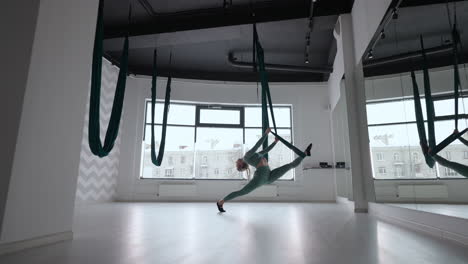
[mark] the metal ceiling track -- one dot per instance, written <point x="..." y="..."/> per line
<point x="279" y="67"/>
<point x="407" y="56"/>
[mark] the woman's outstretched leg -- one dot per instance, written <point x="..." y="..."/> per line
<point x="280" y="171"/>
<point x="292" y="147"/>
<point x="252" y="185"/>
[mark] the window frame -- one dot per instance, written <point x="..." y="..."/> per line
<point x="200" y="107"/>
<point x="197" y="124"/>
<point x="445" y="96"/>
<point x="382" y="170"/>
<point x="379" y="156"/>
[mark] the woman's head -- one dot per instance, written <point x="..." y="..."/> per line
<point x="241" y="165"/>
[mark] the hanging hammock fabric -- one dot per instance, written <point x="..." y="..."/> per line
<point x="434" y="149"/>
<point x="266" y="96"/>
<point x="157" y="159"/>
<point x="430" y="152"/>
<point x="94" y="106"/>
<point x="457" y="84"/>
<point x="429" y="102"/>
<point x="456" y="74"/>
<point x="420" y="121"/>
<point x="459" y="168"/>
<point x="464" y="141"/>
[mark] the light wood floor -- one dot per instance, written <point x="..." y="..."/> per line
<point x="269" y="233"/>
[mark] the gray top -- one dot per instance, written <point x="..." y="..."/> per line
<point x="251" y="157"/>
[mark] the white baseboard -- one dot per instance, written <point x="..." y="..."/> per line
<point x="16" y="246"/>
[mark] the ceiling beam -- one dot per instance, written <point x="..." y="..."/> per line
<point x="410" y="3"/>
<point x="266" y="11"/>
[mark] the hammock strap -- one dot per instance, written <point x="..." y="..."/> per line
<point x="266" y="98"/>
<point x="94" y="138"/>
<point x="420" y="122"/>
<point x="429" y="101"/>
<point x="157" y="159"/>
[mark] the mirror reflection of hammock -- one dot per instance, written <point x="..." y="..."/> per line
<point x="428" y="144"/>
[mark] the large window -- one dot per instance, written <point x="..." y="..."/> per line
<point x="394" y="139"/>
<point x="204" y="141"/>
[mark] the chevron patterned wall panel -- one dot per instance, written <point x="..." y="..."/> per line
<point x="97" y="177"/>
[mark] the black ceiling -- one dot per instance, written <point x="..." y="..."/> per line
<point x="202" y="34"/>
<point x="212" y="39"/>
<point x="402" y="38"/>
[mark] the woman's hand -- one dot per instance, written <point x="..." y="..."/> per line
<point x="268" y="130"/>
<point x="276" y="139"/>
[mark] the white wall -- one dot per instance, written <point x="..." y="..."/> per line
<point x="387" y="191"/>
<point x="310" y="124"/>
<point x="45" y="168"/>
<point x="18" y="22"/>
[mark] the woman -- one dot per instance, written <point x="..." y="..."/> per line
<point x="263" y="174"/>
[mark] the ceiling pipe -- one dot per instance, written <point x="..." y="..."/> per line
<point x="279" y="67"/>
<point x="406" y="56"/>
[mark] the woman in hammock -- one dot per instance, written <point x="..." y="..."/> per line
<point x="263" y="174"/>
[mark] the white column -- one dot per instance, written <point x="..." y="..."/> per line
<point x="40" y="200"/>
<point x="363" y="185"/>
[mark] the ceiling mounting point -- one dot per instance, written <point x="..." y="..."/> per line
<point x="395" y="14"/>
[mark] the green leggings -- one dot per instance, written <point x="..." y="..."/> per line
<point x="263" y="175"/>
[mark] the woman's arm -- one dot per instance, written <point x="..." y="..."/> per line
<point x="272" y="145"/>
<point x="259" y="142"/>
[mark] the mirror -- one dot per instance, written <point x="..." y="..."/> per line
<point x="401" y="175"/>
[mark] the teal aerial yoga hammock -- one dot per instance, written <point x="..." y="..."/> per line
<point x="429" y="147"/>
<point x="167" y="100"/>
<point x="420" y="122"/>
<point x="266" y="96"/>
<point x="94" y="125"/>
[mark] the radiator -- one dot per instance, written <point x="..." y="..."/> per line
<point x="422" y="191"/>
<point x="172" y="190"/>
<point x="265" y="191"/>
